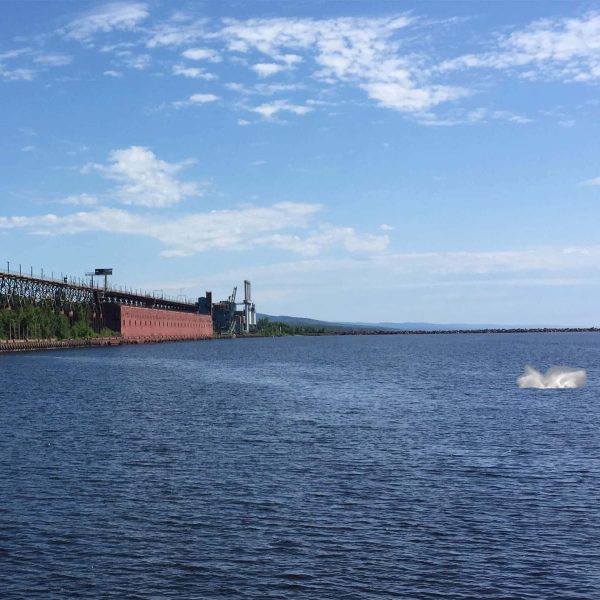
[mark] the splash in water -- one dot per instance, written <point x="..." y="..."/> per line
<point x="553" y="378"/>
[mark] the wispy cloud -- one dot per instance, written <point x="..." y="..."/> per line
<point x="14" y="53"/>
<point x="564" y="48"/>
<point x="202" y="54"/>
<point x="144" y="179"/>
<point x="265" y="89"/>
<point x="80" y="200"/>
<point x="16" y="74"/>
<point x="328" y="236"/>
<point x="135" y="61"/>
<point x="534" y="259"/>
<point x="192" y="72"/>
<point x="594" y="181"/>
<point x="216" y="230"/>
<point x="267" y="69"/>
<point x="115" y="16"/>
<point x="53" y="59"/>
<point x="364" y="52"/>
<point x="196" y="100"/>
<point x="270" y="109"/>
<point x="176" y="33"/>
<point x="553" y="265"/>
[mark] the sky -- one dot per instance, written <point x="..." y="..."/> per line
<point x="357" y="161"/>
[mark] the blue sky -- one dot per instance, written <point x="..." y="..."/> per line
<point x="372" y="161"/>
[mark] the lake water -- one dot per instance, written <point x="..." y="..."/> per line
<point x="328" y="467"/>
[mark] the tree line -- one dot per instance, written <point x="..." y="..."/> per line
<point x="265" y="327"/>
<point x="43" y="322"/>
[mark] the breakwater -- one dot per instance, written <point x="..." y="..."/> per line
<point x="7" y="346"/>
<point x="96" y="342"/>
<point x="462" y="331"/>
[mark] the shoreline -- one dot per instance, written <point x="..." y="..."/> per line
<point x="11" y="346"/>
<point x="462" y="331"/>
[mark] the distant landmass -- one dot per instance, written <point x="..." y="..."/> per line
<point x="408" y="326"/>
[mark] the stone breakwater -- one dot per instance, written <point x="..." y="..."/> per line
<point x="30" y="345"/>
<point x="455" y="331"/>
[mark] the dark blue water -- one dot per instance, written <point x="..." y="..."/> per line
<point x="334" y="467"/>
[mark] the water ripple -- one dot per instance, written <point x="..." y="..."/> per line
<point x="368" y="467"/>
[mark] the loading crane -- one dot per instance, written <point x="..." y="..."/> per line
<point x="228" y="319"/>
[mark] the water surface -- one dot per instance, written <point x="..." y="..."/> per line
<point x="329" y="467"/>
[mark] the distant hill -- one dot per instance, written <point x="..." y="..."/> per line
<point x="305" y="322"/>
<point x="432" y="326"/>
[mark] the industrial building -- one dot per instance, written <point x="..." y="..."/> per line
<point x="226" y="318"/>
<point x="153" y="323"/>
<point x="135" y="315"/>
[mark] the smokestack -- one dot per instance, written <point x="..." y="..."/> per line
<point x="247" y="303"/>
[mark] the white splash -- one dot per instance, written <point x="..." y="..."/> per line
<point x="553" y="378"/>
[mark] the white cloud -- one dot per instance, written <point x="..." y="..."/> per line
<point x="270" y="109"/>
<point x="202" y="54"/>
<point x="386" y="227"/>
<point x="196" y="99"/>
<point x="267" y="69"/>
<point x="594" y="181"/>
<point x="144" y="179"/>
<point x="176" y="34"/>
<point x="408" y="98"/>
<point x="534" y="259"/>
<point x="471" y="117"/>
<point x="192" y="72"/>
<point x="116" y="48"/>
<point x="290" y="59"/>
<point x="564" y="48"/>
<point x="553" y="265"/>
<point x="506" y="115"/>
<point x="80" y="200"/>
<point x="328" y="236"/>
<point x="53" y="60"/>
<point x="364" y="52"/>
<point x="136" y="61"/>
<point x="243" y="122"/>
<point x="14" y="53"/>
<point x="265" y="89"/>
<point x="16" y="74"/>
<point x="116" y="16"/>
<point x="274" y="226"/>
<point x="481" y="115"/>
<point x="111" y="73"/>
<point x="203" y="98"/>
<point x="32" y="62"/>
<point x="182" y="236"/>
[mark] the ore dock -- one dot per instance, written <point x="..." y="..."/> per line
<point x="132" y="316"/>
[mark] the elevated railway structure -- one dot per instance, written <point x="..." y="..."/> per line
<point x="65" y="294"/>
<point x="134" y="315"/>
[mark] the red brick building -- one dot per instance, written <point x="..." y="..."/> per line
<point x="154" y="324"/>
